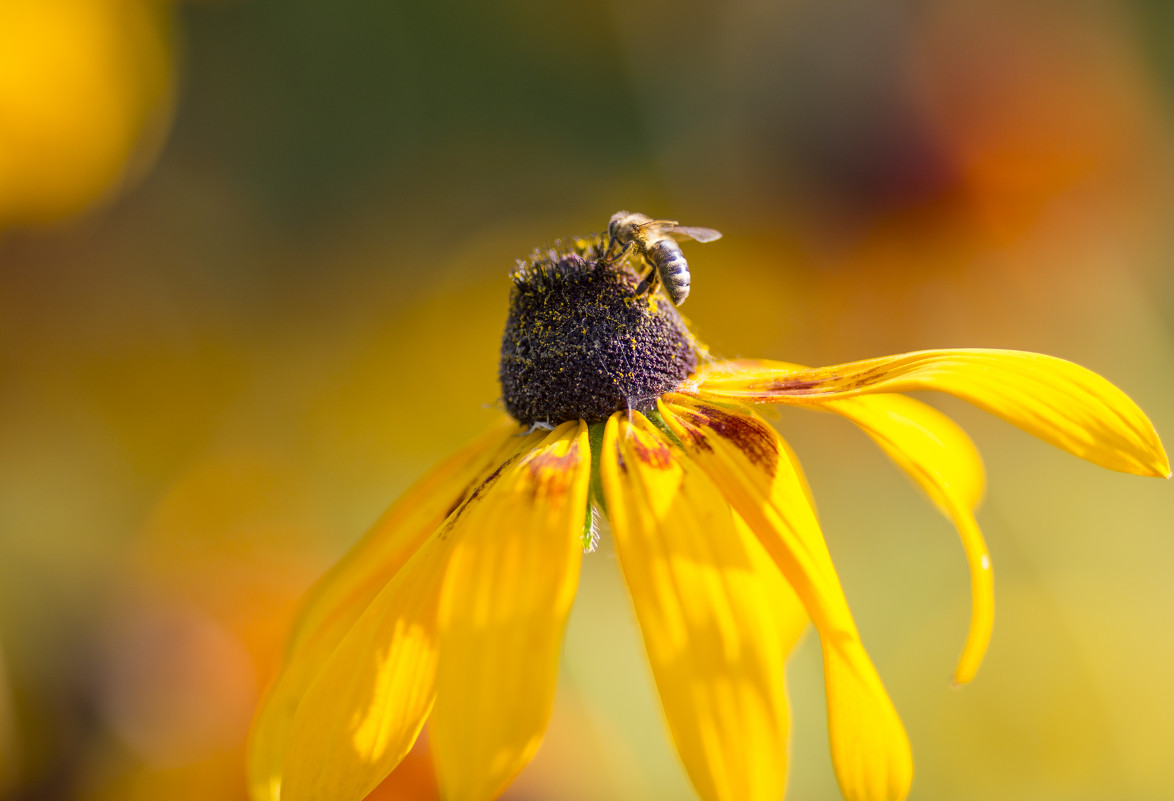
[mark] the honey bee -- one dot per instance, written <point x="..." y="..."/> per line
<point x="655" y="241"/>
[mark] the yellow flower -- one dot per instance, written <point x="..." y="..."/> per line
<point x="86" y="91"/>
<point x="451" y="611"/>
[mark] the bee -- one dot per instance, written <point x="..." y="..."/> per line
<point x="655" y="241"/>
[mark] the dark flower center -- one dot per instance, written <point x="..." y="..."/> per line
<point x="579" y="342"/>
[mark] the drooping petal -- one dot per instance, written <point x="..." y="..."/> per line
<point x="340" y="596"/>
<point x="1058" y="401"/>
<point x="362" y="714"/>
<point x="716" y="616"/>
<point x="512" y="576"/>
<point x="943" y="461"/>
<point x="747" y="461"/>
<point x="365" y="706"/>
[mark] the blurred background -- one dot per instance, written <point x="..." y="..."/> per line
<point x="253" y="273"/>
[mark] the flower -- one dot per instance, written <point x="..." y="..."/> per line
<point x="452" y="609"/>
<point x="86" y="96"/>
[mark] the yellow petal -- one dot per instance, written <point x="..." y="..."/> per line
<point x="746" y="460"/>
<point x="366" y="707"/>
<point x="339" y="597"/>
<point x="1058" y="401"/>
<point x="716" y="616"/>
<point x="943" y="461"/>
<point x="512" y="576"/>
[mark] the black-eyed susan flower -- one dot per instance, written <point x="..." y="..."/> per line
<point x="451" y="611"/>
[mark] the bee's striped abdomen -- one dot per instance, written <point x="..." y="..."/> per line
<point x="665" y="255"/>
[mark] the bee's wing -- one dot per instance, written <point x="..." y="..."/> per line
<point x="683" y="232"/>
<point x="657" y="223"/>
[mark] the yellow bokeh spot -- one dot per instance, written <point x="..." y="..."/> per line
<point x="85" y="95"/>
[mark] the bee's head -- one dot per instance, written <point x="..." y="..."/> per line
<point x="613" y="225"/>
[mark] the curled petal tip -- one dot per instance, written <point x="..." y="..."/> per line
<point x="1158" y="466"/>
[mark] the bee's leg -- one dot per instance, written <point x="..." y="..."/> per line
<point x="649" y="283"/>
<point x="611" y="244"/>
<point x="623" y="254"/>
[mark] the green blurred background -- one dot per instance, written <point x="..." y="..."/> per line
<point x="253" y="273"/>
